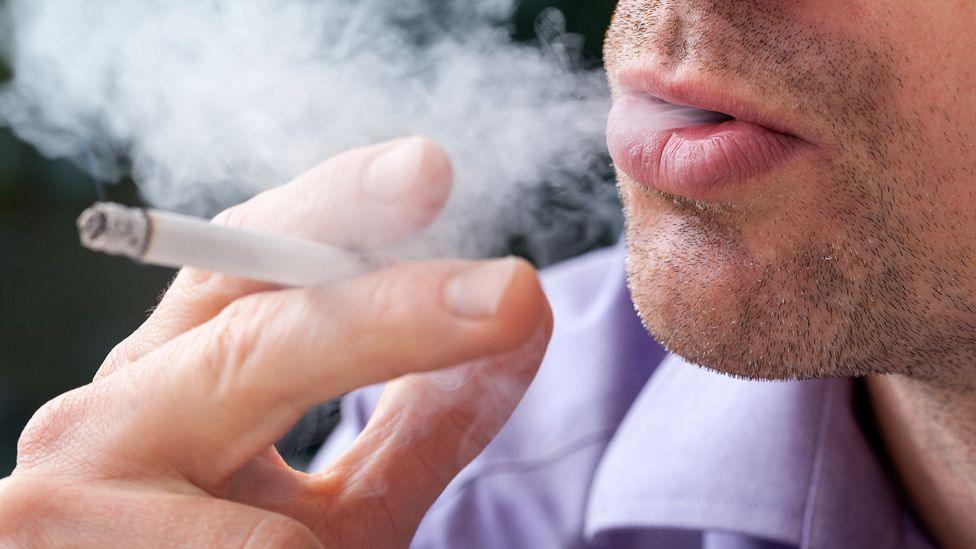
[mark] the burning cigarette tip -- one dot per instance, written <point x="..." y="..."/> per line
<point x="114" y="229"/>
<point x="172" y="240"/>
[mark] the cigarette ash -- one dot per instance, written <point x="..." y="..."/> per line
<point x="114" y="229"/>
<point x="207" y="103"/>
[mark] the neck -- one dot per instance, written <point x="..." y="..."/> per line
<point x="929" y="429"/>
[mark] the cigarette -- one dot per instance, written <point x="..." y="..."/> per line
<point x="172" y="240"/>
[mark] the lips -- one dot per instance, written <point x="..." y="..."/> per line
<point x="708" y="159"/>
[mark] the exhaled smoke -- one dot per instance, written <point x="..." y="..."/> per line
<point x="206" y="102"/>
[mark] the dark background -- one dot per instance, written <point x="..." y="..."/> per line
<point x="62" y="309"/>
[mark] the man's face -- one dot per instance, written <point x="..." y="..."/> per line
<point x="842" y="244"/>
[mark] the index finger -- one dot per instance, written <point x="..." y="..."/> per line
<point x="361" y="199"/>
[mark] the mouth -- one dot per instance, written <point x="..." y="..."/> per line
<point x="692" y="138"/>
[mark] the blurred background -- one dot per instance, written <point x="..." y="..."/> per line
<point x="62" y="308"/>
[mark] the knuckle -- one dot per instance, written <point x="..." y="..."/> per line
<point x="274" y="530"/>
<point x="120" y="355"/>
<point x="390" y="296"/>
<point x="50" y="424"/>
<point x="192" y="280"/>
<point x="315" y="183"/>
<point x="390" y="309"/>
<point x="191" y="284"/>
<point x="236" y="339"/>
<point x="231" y="217"/>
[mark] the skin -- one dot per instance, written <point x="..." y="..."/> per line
<point x="172" y="442"/>
<point x="855" y="257"/>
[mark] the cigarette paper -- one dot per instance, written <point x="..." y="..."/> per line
<point x="172" y="240"/>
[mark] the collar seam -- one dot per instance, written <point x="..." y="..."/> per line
<point x="774" y="524"/>
<point x="813" y="491"/>
<point x="716" y="501"/>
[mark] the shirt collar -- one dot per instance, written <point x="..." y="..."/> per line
<point x="786" y="462"/>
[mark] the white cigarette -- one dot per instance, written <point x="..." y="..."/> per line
<point x="172" y="240"/>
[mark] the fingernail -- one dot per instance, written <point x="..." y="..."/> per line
<point x="391" y="175"/>
<point x="478" y="292"/>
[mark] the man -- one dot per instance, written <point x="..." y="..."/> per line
<point x="825" y="232"/>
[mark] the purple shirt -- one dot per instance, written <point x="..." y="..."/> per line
<point x="618" y="444"/>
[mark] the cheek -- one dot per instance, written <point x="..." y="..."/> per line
<point x="849" y="18"/>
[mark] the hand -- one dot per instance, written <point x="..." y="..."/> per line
<point x="172" y="443"/>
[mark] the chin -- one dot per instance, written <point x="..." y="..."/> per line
<point x="709" y="293"/>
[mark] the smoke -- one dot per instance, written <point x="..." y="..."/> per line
<point x="206" y="102"/>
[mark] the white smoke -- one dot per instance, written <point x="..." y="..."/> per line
<point x="205" y="102"/>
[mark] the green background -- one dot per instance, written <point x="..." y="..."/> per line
<point x="62" y="309"/>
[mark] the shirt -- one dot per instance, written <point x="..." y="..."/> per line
<point x="618" y="444"/>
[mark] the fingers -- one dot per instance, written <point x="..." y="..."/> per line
<point x="361" y="199"/>
<point x="426" y="428"/>
<point x="215" y="397"/>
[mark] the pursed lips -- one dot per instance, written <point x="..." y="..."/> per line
<point x="731" y="142"/>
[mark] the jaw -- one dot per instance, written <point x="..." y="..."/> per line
<point x="758" y="289"/>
